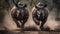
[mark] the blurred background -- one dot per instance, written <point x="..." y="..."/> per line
<point x="7" y="23"/>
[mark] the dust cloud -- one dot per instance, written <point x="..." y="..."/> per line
<point x="51" y="22"/>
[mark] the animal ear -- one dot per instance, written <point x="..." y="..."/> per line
<point x="45" y="5"/>
<point x="36" y="6"/>
<point x="25" y="5"/>
<point x="16" y="5"/>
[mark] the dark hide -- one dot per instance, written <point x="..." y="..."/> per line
<point x="40" y="15"/>
<point x="20" y="15"/>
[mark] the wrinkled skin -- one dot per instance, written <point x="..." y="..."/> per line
<point x="20" y="15"/>
<point x="40" y="15"/>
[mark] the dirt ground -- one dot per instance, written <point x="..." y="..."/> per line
<point x="51" y="23"/>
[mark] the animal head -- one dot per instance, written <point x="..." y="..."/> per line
<point x="40" y="5"/>
<point x="21" y="5"/>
